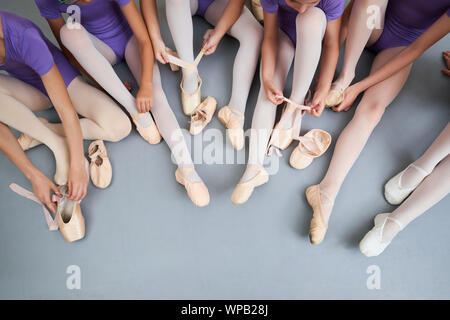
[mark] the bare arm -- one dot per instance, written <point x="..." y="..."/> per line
<point x="144" y="99"/>
<point x="269" y="57"/>
<point x="57" y="92"/>
<point x="328" y="62"/>
<point x="213" y="37"/>
<point x="150" y="14"/>
<point x="408" y="55"/>
<point x="42" y="186"/>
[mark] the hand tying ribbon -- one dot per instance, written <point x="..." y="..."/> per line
<point x="298" y="106"/>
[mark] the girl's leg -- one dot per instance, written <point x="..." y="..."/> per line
<point x="103" y="119"/>
<point x="96" y="58"/>
<point x="359" y="34"/>
<point x="18" y="101"/>
<point x="249" y="33"/>
<point x="179" y="17"/>
<point x="311" y="27"/>
<point x="438" y="150"/>
<point x="430" y="191"/>
<point x="161" y="111"/>
<point x="354" y="136"/>
<point x="265" y="111"/>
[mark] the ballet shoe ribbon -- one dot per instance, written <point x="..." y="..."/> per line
<point x="52" y="223"/>
<point x="296" y="105"/>
<point x="199" y="115"/>
<point x="309" y="144"/>
<point x="190" y="66"/>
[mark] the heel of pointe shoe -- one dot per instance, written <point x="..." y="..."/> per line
<point x="191" y="101"/>
<point x="71" y="224"/>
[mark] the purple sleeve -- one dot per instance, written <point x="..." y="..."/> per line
<point x="35" y="52"/>
<point x="448" y="12"/>
<point x="270" y="6"/>
<point x="49" y="9"/>
<point x="122" y="3"/>
<point x="333" y="9"/>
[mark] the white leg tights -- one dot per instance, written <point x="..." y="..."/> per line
<point x="164" y="117"/>
<point x="96" y="58"/>
<point x="179" y="17"/>
<point x="355" y="135"/>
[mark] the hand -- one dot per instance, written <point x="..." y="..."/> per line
<point x="78" y="181"/>
<point x="318" y="103"/>
<point x="160" y="50"/>
<point x="144" y="98"/>
<point x="42" y="188"/>
<point x="211" y="40"/>
<point x="446" y="56"/>
<point x="272" y="92"/>
<point x="350" y="95"/>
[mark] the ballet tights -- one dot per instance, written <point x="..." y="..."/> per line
<point x="246" y="30"/>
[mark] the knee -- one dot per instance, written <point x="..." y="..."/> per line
<point x="252" y="37"/>
<point x="311" y="21"/>
<point x="172" y="3"/>
<point x="371" y="114"/>
<point x="72" y="37"/>
<point x="121" y="128"/>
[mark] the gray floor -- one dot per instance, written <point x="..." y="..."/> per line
<point x="146" y="240"/>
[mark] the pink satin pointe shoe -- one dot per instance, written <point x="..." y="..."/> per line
<point x="335" y="95"/>
<point x="100" y="168"/>
<point x="195" y="188"/>
<point x="318" y="227"/>
<point x="245" y="187"/>
<point x="312" y="145"/>
<point x="151" y="133"/>
<point x="27" y="142"/>
<point x="282" y="138"/>
<point x="69" y="217"/>
<point x="233" y="119"/>
<point x="202" y="115"/>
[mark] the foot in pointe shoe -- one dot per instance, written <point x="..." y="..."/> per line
<point x="335" y="95"/>
<point x="196" y="189"/>
<point x="100" y="168"/>
<point x="190" y="102"/>
<point x="27" y="142"/>
<point x="151" y="133"/>
<point x="202" y="115"/>
<point x="316" y="199"/>
<point x="233" y="119"/>
<point x="255" y="177"/>
<point x="69" y="217"/>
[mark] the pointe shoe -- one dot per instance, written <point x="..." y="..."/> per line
<point x="393" y="190"/>
<point x="150" y="134"/>
<point x="244" y="190"/>
<point x="372" y="244"/>
<point x="100" y="167"/>
<point x="231" y="119"/>
<point x="257" y="10"/>
<point x="70" y="218"/>
<point x="27" y="142"/>
<point x="282" y="138"/>
<point x="197" y="190"/>
<point x="191" y="101"/>
<point x="202" y="115"/>
<point x="318" y="227"/>
<point x="335" y="96"/>
<point x="312" y="145"/>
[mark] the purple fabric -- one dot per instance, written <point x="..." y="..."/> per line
<point x="102" y="18"/>
<point x="29" y="54"/>
<point x="333" y="9"/>
<point x="405" y="22"/>
<point x="203" y="6"/>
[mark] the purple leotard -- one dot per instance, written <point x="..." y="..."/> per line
<point x="405" y="21"/>
<point x="29" y="54"/>
<point x="203" y="6"/>
<point x="333" y="9"/>
<point x="101" y="18"/>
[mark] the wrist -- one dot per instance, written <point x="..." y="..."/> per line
<point x="32" y="173"/>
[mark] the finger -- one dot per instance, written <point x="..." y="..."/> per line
<point x="446" y="71"/>
<point x="147" y="105"/>
<point x="55" y="189"/>
<point x="51" y="206"/>
<point x="70" y="189"/>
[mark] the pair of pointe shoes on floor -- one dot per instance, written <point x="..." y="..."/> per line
<point x="100" y="169"/>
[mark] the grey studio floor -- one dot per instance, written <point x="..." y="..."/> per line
<point x="146" y="240"/>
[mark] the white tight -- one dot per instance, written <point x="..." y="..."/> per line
<point x="103" y="118"/>
<point x="355" y="135"/>
<point x="96" y="58"/>
<point x="311" y="27"/>
<point x="246" y="30"/>
<point x="430" y="191"/>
